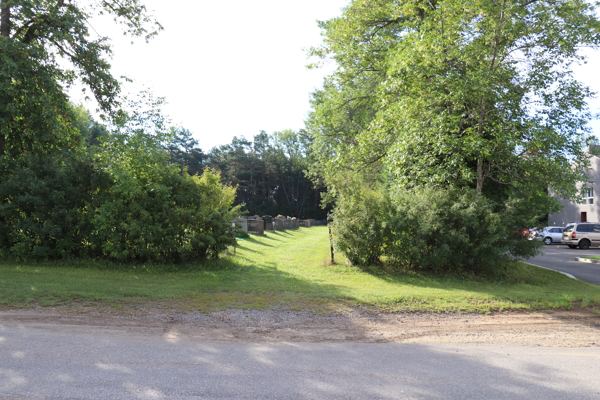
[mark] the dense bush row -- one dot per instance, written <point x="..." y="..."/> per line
<point x="125" y="203"/>
<point x="438" y="229"/>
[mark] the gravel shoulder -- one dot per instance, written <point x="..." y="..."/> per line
<point x="579" y="328"/>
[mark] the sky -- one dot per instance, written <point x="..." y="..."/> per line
<point x="235" y="68"/>
<point x="226" y="68"/>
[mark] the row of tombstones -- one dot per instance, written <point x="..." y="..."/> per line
<point x="257" y="225"/>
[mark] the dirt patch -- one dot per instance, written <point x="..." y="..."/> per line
<point x="556" y="329"/>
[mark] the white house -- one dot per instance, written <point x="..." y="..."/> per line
<point x="586" y="211"/>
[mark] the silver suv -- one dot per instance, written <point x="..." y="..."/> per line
<point x="582" y="234"/>
<point x="550" y="234"/>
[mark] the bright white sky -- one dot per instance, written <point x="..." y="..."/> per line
<point x="233" y="68"/>
<point x="226" y="68"/>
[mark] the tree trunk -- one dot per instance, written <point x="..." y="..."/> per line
<point x="4" y="18"/>
<point x="480" y="159"/>
<point x="480" y="176"/>
<point x="5" y="32"/>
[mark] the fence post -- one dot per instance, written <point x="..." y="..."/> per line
<point x="329" y="223"/>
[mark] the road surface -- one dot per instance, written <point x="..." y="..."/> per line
<point x="562" y="258"/>
<point x="40" y="363"/>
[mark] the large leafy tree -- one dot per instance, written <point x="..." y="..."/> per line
<point x="451" y="99"/>
<point x="36" y="38"/>
<point x="467" y="93"/>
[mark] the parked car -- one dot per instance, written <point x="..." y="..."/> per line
<point x="534" y="233"/>
<point x="582" y="234"/>
<point x="550" y="234"/>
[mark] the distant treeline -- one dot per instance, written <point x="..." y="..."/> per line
<point x="269" y="171"/>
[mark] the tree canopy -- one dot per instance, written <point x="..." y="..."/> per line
<point x="458" y="92"/>
<point x="72" y="187"/>
<point x="36" y="38"/>
<point x="443" y="97"/>
<point x="270" y="173"/>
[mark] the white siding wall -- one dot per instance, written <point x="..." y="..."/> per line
<point x="572" y="212"/>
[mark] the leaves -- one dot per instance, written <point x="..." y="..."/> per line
<point x="441" y="93"/>
<point x="447" y="97"/>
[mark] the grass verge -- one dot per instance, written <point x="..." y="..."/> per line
<point x="286" y="270"/>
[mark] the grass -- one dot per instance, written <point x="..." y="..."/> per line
<point x="286" y="270"/>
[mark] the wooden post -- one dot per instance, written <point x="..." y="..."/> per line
<point x="329" y="223"/>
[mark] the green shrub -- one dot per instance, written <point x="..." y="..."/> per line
<point x="129" y="204"/>
<point x="362" y="225"/>
<point x="163" y="215"/>
<point x="455" y="229"/>
<point x="44" y="209"/>
<point x="438" y="229"/>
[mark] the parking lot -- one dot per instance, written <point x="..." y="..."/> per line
<point x="562" y="258"/>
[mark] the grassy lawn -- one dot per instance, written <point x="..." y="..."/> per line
<point x="286" y="270"/>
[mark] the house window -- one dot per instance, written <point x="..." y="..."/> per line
<point x="588" y="196"/>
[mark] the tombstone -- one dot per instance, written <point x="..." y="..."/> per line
<point x="268" y="222"/>
<point x="256" y="226"/>
<point x="312" y="222"/>
<point x="241" y="223"/>
<point x="295" y="224"/>
<point x="279" y="224"/>
<point x="287" y="224"/>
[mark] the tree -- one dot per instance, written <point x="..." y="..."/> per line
<point x="291" y="151"/>
<point x="269" y="173"/>
<point x="34" y="37"/>
<point x="91" y="132"/>
<point x="459" y="94"/>
<point x="148" y="209"/>
<point x="184" y="150"/>
<point x="463" y="93"/>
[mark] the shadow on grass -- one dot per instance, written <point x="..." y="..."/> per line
<point x="284" y="233"/>
<point x="512" y="288"/>
<point x="250" y="283"/>
<point x="254" y="240"/>
<point x="270" y="236"/>
<point x="245" y="248"/>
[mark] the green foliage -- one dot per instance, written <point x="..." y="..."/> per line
<point x="34" y="111"/>
<point x="434" y="229"/>
<point x="455" y="229"/>
<point x="165" y="216"/>
<point x="448" y="97"/>
<point x="91" y="133"/>
<point x="59" y="29"/>
<point x="362" y="226"/>
<point x="457" y="93"/>
<point x="68" y="186"/>
<point x="45" y="212"/>
<point x="183" y="150"/>
<point x="270" y="174"/>
<point x="121" y="200"/>
<point x="151" y="209"/>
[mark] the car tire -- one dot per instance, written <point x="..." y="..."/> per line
<point x="584" y="244"/>
<point x="572" y="246"/>
<point x="547" y="240"/>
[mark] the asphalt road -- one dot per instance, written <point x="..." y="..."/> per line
<point x="562" y="258"/>
<point x="40" y="363"/>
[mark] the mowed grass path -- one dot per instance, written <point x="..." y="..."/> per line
<point x="282" y="270"/>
